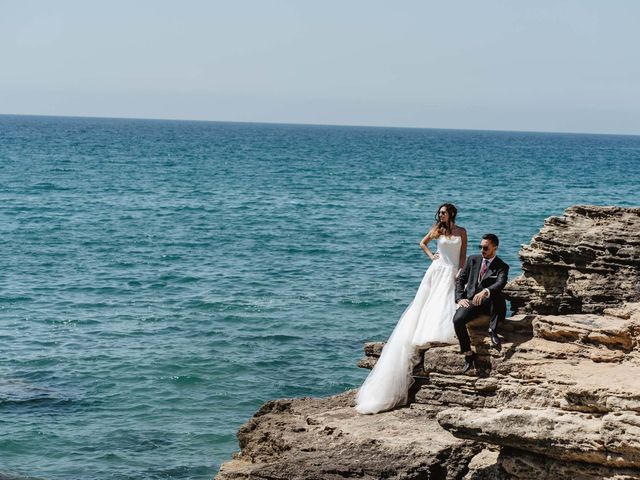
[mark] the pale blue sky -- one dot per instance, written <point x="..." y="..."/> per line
<point x="507" y="65"/>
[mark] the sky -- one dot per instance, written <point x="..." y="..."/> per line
<point x="568" y="66"/>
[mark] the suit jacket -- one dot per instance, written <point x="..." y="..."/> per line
<point x="467" y="284"/>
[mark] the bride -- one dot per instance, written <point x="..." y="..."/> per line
<point x="429" y="318"/>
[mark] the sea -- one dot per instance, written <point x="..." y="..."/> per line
<point x="161" y="280"/>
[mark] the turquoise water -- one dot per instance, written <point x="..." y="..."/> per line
<point x="161" y="280"/>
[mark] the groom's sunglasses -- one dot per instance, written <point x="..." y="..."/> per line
<point x="483" y="248"/>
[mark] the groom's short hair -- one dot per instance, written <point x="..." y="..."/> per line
<point x="492" y="238"/>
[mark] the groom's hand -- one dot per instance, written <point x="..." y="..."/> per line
<point x="464" y="303"/>
<point x="479" y="297"/>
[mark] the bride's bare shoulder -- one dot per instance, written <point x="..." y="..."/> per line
<point x="460" y="231"/>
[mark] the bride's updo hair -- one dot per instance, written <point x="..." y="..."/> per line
<point x="444" y="228"/>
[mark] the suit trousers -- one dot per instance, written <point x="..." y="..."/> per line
<point x="495" y="306"/>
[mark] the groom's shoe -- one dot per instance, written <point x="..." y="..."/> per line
<point x="495" y="340"/>
<point x="469" y="361"/>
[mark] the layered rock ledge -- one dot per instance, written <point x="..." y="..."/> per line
<point x="560" y="399"/>
<point x="582" y="262"/>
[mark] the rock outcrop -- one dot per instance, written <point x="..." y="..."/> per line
<point x="582" y="262"/>
<point x="559" y="400"/>
<point x="326" y="439"/>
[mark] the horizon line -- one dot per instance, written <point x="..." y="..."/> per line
<point x="96" y="117"/>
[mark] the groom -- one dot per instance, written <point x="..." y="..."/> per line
<point x="479" y="291"/>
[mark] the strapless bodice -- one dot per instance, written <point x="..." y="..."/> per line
<point x="449" y="250"/>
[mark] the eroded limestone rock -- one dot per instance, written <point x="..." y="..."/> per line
<point x="326" y="439"/>
<point x="611" y="440"/>
<point x="582" y="262"/>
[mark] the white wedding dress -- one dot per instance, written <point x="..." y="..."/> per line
<point x="429" y="318"/>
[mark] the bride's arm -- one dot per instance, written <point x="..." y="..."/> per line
<point x="463" y="248"/>
<point x="423" y="245"/>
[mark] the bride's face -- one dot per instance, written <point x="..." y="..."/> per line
<point x="443" y="215"/>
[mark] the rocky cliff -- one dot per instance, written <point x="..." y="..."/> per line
<point x="561" y="399"/>
<point x="581" y="262"/>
